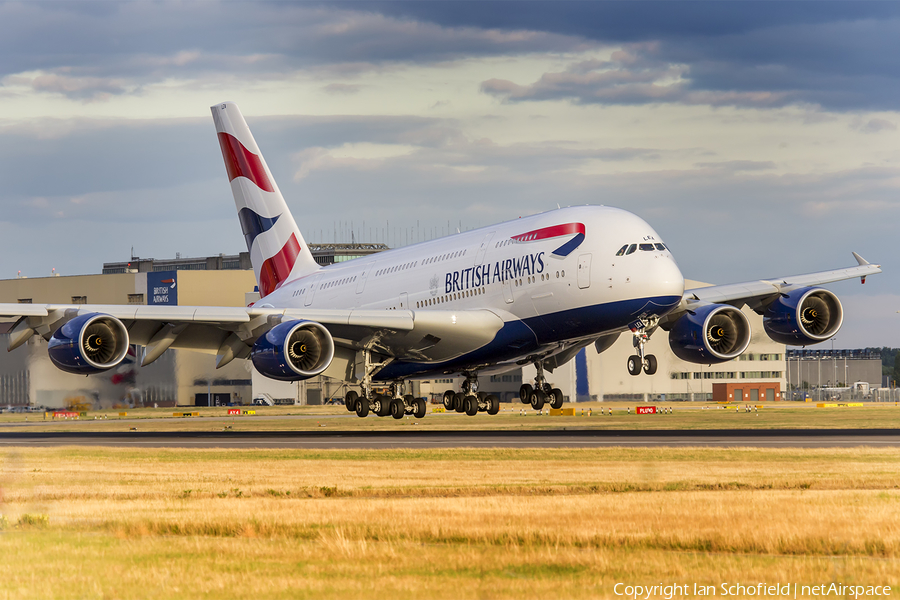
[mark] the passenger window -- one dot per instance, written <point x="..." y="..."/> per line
<point x="647" y="247"/>
<point x="631" y="249"/>
<point x="622" y="250"/>
<point x="660" y="247"/>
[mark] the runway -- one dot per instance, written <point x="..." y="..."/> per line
<point x="568" y="438"/>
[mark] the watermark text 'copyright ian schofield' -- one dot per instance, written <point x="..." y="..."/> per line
<point x="750" y="590"/>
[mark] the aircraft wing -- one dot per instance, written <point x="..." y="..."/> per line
<point x="428" y="336"/>
<point x="759" y="293"/>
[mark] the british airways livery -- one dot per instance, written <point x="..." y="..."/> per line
<point x="535" y="290"/>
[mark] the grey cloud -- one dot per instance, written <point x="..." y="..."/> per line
<point x="877" y="126"/>
<point x="86" y="53"/>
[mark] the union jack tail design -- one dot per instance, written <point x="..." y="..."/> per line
<point x="278" y="251"/>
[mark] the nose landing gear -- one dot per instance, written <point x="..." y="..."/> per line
<point x="642" y="329"/>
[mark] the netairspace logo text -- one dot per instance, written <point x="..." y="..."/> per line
<point x="742" y="590"/>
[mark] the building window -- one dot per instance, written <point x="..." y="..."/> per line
<point x="24" y="300"/>
<point x="135" y="298"/>
<point x="79" y="299"/>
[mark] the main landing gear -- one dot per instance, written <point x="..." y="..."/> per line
<point x="470" y="400"/>
<point x="641" y="361"/>
<point x="394" y="403"/>
<point x="541" y="392"/>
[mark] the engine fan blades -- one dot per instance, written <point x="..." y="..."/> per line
<point x="815" y="315"/>
<point x="721" y="334"/>
<point x="99" y="342"/>
<point x="304" y="349"/>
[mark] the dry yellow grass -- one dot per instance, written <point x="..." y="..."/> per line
<point x="442" y="524"/>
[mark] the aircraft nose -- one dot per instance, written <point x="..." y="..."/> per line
<point x="666" y="279"/>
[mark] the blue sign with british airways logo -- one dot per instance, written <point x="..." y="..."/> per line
<point x="162" y="288"/>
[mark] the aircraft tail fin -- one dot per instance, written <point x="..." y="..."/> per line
<point x="278" y="251"/>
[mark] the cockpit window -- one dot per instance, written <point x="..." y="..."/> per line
<point x="631" y="249"/>
<point x="660" y="247"/>
<point x="622" y="250"/>
<point x="647" y="247"/>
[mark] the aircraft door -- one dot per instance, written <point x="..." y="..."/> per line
<point x="507" y="291"/>
<point x="404" y="300"/>
<point x="479" y="258"/>
<point x="584" y="271"/>
<point x="311" y="290"/>
<point x="363" y="276"/>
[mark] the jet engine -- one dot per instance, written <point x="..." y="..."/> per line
<point x="803" y="316"/>
<point x="89" y="343"/>
<point x="293" y="351"/>
<point x="710" y="334"/>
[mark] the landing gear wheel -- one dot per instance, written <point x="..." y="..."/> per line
<point x="460" y="403"/>
<point x="634" y="364"/>
<point x="493" y="404"/>
<point x="525" y="393"/>
<point x="556" y="398"/>
<point x="397" y="408"/>
<point x="537" y="399"/>
<point x="420" y="408"/>
<point x="382" y="406"/>
<point x="650" y="364"/>
<point x="362" y="407"/>
<point x="449" y="400"/>
<point x="350" y="400"/>
<point x="471" y="405"/>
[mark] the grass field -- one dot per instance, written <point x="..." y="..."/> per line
<point x="467" y="523"/>
<point x="778" y="415"/>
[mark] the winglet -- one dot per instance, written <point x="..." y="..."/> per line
<point x="860" y="259"/>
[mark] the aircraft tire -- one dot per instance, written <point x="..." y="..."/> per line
<point x="397" y="408"/>
<point x="493" y="404"/>
<point x="537" y="399"/>
<point x="350" y="400"/>
<point x="556" y="398"/>
<point x="459" y="403"/>
<point x="420" y="408"/>
<point x="471" y="404"/>
<point x="525" y="393"/>
<point x="634" y="365"/>
<point x="362" y="407"/>
<point x="382" y="406"/>
<point x="449" y="400"/>
<point x="650" y="367"/>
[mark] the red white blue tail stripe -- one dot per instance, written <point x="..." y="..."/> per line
<point x="573" y="232"/>
<point x="277" y="249"/>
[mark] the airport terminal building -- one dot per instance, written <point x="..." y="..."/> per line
<point x="186" y="378"/>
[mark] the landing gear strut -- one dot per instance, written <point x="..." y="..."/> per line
<point x="395" y="403"/>
<point x="470" y="400"/>
<point x="642" y="330"/>
<point x="541" y="392"/>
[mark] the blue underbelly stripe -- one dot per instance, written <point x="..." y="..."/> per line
<point x="518" y="339"/>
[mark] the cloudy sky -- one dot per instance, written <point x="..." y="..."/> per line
<point x="759" y="139"/>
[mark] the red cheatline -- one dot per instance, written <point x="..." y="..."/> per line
<point x="550" y="232"/>
<point x="240" y="162"/>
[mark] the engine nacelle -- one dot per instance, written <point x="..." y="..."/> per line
<point x="88" y="344"/>
<point x="293" y="351"/>
<point x="803" y="316"/>
<point x="710" y="334"/>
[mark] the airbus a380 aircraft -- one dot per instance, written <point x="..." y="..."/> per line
<point x="531" y="291"/>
